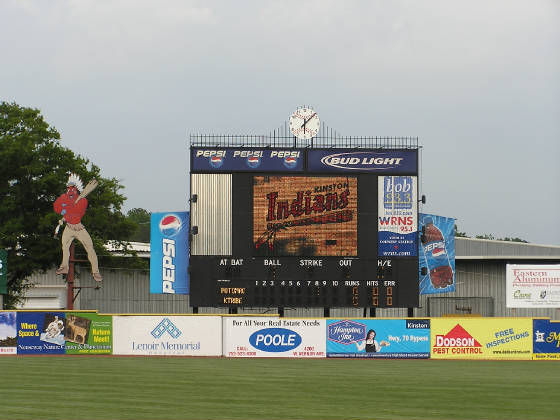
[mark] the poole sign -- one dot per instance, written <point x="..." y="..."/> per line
<point x="273" y="337"/>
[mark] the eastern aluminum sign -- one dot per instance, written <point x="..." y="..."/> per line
<point x="390" y="161"/>
<point x="532" y="286"/>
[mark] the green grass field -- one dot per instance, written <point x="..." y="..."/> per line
<point x="86" y="387"/>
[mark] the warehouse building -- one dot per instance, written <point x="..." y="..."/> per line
<point x="480" y="288"/>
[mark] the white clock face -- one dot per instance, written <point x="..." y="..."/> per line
<point x="304" y="123"/>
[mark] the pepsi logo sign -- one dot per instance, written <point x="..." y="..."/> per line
<point x="170" y="225"/>
<point x="216" y="161"/>
<point x="290" y="162"/>
<point x="253" y="162"/>
<point x="275" y="340"/>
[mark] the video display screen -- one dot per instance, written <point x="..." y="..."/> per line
<point x="305" y="216"/>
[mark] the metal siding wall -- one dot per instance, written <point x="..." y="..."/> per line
<point x="212" y="213"/>
<point x="465" y="247"/>
<point x="486" y="279"/>
<point x="128" y="291"/>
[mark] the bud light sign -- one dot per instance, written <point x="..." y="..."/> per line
<point x="169" y="253"/>
<point x="275" y="340"/>
<point x="436" y="254"/>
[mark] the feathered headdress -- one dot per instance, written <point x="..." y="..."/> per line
<point x="75" y="180"/>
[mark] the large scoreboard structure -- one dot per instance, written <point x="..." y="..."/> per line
<point x="304" y="225"/>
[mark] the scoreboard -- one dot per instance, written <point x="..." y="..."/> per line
<point x="303" y="227"/>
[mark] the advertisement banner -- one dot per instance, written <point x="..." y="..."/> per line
<point x="41" y="332"/>
<point x="546" y="335"/>
<point x="379" y="338"/>
<point x="169" y="252"/>
<point x="436" y="254"/>
<point x="397" y="216"/>
<point x="274" y="337"/>
<point x="88" y="333"/>
<point x="482" y="338"/>
<point x="167" y="335"/>
<point x="3" y="272"/>
<point x="247" y="160"/>
<point x="532" y="286"/>
<point x="8" y="333"/>
<point x="364" y="161"/>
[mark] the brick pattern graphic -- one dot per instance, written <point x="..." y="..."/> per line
<point x="305" y="216"/>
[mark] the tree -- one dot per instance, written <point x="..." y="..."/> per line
<point x="516" y="239"/>
<point x="34" y="168"/>
<point x="459" y="234"/>
<point x="487" y="236"/>
<point x="141" y="218"/>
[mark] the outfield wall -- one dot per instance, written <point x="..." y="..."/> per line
<point x="87" y="332"/>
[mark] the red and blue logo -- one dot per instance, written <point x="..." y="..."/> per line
<point x="216" y="161"/>
<point x="253" y="162"/>
<point x="170" y="225"/>
<point x="290" y="162"/>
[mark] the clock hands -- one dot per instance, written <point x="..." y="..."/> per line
<point x="305" y="121"/>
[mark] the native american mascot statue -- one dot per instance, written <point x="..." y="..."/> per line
<point x="72" y="206"/>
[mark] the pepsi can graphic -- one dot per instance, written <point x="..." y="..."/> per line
<point x="169" y="252"/>
<point x="437" y="260"/>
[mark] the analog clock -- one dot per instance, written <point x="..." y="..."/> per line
<point x="304" y="123"/>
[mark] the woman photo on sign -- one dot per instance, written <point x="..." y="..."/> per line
<point x="370" y="344"/>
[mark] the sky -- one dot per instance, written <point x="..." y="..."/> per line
<point x="126" y="82"/>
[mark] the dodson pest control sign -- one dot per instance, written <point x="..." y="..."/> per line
<point x="274" y="337"/>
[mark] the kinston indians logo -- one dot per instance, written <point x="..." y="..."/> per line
<point x="170" y="225"/>
<point x="166" y="326"/>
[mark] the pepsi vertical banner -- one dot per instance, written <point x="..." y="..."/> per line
<point x="169" y="252"/>
<point x="436" y="253"/>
